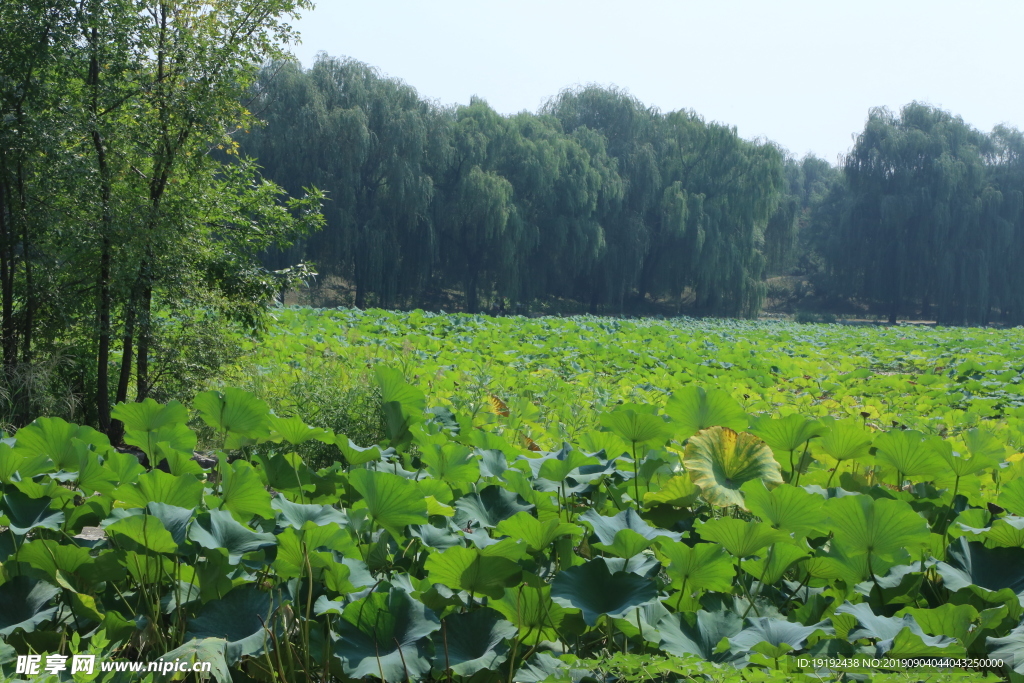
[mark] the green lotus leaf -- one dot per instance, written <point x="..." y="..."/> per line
<point x="94" y="476"/>
<point x="596" y="591"/>
<point x="627" y="543"/>
<point x="490" y="506"/>
<point x="780" y="636"/>
<point x="239" y="619"/>
<point x="148" y="415"/>
<point x="907" y="451"/>
<point x="296" y="432"/>
<point x="679" y="491"/>
<point x="178" y="437"/>
<point x="532" y="611"/>
<point x="183" y="491"/>
<point x="242" y="492"/>
<point x="234" y="412"/>
<point x="142" y="532"/>
<point x="125" y="466"/>
<point x="286" y="473"/>
<point x="60" y="441"/>
<point x="1009" y="648"/>
<point x="218" y="529"/>
<point x="770" y="568"/>
<point x="211" y="650"/>
<point x="392" y="501"/>
<point x="785" y="507"/>
<point x="356" y="455"/>
<point x="641" y="623"/>
<point x="296" y="515"/>
<point x="175" y="519"/>
<point x="452" y="463"/>
<point x="298" y="556"/>
<point x="472" y="641"/>
<point x="850" y="567"/>
<point x="22" y="462"/>
<point x="881" y="528"/>
<point x="51" y="557"/>
<point x="785" y="434"/>
<point x="704" y="566"/>
<point x="886" y="630"/>
<point x="694" y="409"/>
<point x="25" y="514"/>
<point x="1005" y="532"/>
<point x="607" y="528"/>
<point x="956" y="621"/>
<point x="179" y="462"/>
<point x="635" y="427"/>
<point x="740" y="538"/>
<point x="559" y="465"/>
<point x="541" y="668"/>
<point x="981" y="443"/>
<point x="493" y="462"/>
<point x="402" y="404"/>
<point x="394" y="388"/>
<point x="844" y="439"/>
<point x="721" y="460"/>
<point x="25" y="603"/>
<point x="386" y="635"/>
<point x="971" y="564"/>
<point x="700" y="633"/>
<point x="536" y="534"/>
<point x="1011" y="497"/>
<point x="609" y="442"/>
<point x="470" y="570"/>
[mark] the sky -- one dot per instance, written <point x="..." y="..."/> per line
<point x="803" y="74"/>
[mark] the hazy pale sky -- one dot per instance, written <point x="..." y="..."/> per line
<point x="801" y="73"/>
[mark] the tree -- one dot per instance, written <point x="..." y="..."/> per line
<point x="912" y="233"/>
<point x="145" y="94"/>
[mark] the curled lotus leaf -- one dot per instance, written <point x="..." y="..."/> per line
<point x="721" y="460"/>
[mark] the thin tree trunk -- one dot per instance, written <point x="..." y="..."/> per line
<point x="116" y="431"/>
<point x="142" y="359"/>
<point x="10" y="348"/>
<point x="103" y="353"/>
<point x="106" y="220"/>
<point x="30" y="291"/>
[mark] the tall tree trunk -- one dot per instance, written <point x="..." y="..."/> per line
<point x="30" y="291"/>
<point x="103" y="353"/>
<point x="116" y="431"/>
<point x="10" y="348"/>
<point x="106" y="221"/>
<point x="145" y="334"/>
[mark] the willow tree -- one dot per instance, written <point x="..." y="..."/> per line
<point x="912" y="233"/>
<point x="732" y="188"/>
<point x="474" y="215"/>
<point x="1003" y="219"/>
<point x="629" y="129"/>
<point x="363" y="139"/>
<point x="559" y="181"/>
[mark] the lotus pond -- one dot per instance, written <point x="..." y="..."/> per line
<point x="539" y="500"/>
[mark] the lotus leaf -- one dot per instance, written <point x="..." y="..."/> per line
<point x="721" y="460"/>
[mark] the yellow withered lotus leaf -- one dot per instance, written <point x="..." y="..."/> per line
<point x="721" y="460"/>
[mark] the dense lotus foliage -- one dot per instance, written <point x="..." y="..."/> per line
<point x="552" y="500"/>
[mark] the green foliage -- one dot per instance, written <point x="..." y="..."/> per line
<point x="465" y="555"/>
